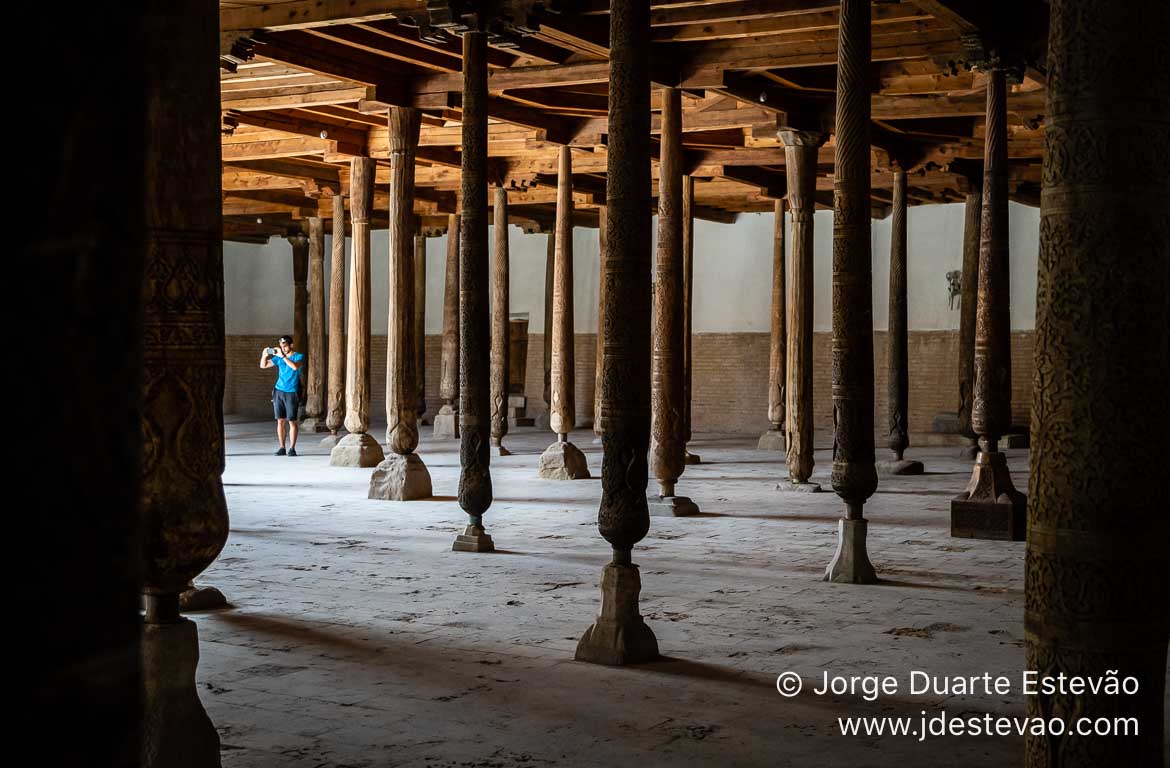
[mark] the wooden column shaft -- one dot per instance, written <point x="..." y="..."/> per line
<point x="898" y="374"/>
<point x="499" y="313"/>
<point x="562" y="417"/>
<point x="335" y="395"/>
<point x="968" y="285"/>
<point x="420" y="317"/>
<point x="401" y="387"/>
<point x="550" y="261"/>
<point x="777" y="367"/>
<point x="449" y="360"/>
<point x="599" y="351"/>
<point x="300" y="264"/>
<point x="688" y="247"/>
<point x="357" y="359"/>
<point x="315" y="376"/>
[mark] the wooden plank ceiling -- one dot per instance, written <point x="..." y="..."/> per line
<point x="306" y="85"/>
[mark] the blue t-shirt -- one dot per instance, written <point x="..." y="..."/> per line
<point x="287" y="377"/>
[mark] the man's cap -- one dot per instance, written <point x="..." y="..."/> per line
<point x="287" y="338"/>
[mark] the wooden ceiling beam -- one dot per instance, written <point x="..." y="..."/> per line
<point x="309" y="14"/>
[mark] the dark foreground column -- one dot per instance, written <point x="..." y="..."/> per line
<point x="475" y="480"/>
<point x="447" y="420"/>
<point x="358" y="448"/>
<point x="1096" y="593"/>
<point x="500" y="311"/>
<point x="774" y="439"/>
<point x="315" y="377"/>
<point x="402" y="476"/>
<point x="562" y="460"/>
<point x="667" y="412"/>
<point x="800" y="155"/>
<point x="854" y="475"/>
<point x="335" y="396"/>
<point x="897" y="357"/>
<point x="182" y="457"/>
<point x="619" y="636"/>
<point x="991" y="507"/>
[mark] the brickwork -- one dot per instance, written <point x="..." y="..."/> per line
<point x="730" y="379"/>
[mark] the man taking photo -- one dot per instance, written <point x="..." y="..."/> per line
<point x="285" y="400"/>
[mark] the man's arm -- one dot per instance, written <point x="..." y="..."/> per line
<point x="265" y="359"/>
<point x="296" y="366"/>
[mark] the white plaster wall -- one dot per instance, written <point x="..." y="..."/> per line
<point x="733" y="274"/>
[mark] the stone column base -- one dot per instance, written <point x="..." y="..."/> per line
<point x="401" y="478"/>
<point x="313" y="424"/>
<point x="446" y="424"/>
<point x="851" y="563"/>
<point x="563" y="461"/>
<point x="500" y="450"/>
<point x="795" y="487"/>
<point x="671" y="506"/>
<point x="201" y="599"/>
<point x="176" y="731"/>
<point x="618" y="636"/>
<point x="473" y="539"/>
<point x="357" y="449"/>
<point x="691" y="458"/>
<point x="891" y="467"/>
<point x="772" y="440"/>
<point x="331" y="440"/>
<point x="990" y="507"/>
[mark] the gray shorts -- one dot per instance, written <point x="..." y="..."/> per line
<point x="284" y="405"/>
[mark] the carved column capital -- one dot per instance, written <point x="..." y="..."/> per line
<point x="791" y="137"/>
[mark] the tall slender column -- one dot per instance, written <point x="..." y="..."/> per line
<point x="420" y="320"/>
<point x="854" y="475"/>
<point x="667" y="412"/>
<point x="688" y="214"/>
<point x="599" y="347"/>
<point x="991" y="507"/>
<point x="299" y="242"/>
<point x="550" y="260"/>
<point x="358" y="448"/>
<point x="800" y="156"/>
<point x="447" y="420"/>
<point x="402" y="476"/>
<point x="475" y="480"/>
<point x="968" y="286"/>
<point x="182" y="459"/>
<point x="500" y="311"/>
<point x="1097" y="600"/>
<point x="562" y="460"/>
<point x="335" y="395"/>
<point x="774" y="438"/>
<point x="619" y="635"/>
<point x="315" y="378"/>
<point x="897" y="357"/>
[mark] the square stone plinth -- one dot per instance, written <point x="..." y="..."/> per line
<point x="473" y="539"/>
<point x="563" y="461"/>
<point x="357" y="449"/>
<point x="990" y="507"/>
<point x="401" y="478"/>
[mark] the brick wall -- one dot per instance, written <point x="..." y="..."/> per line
<point x="730" y="378"/>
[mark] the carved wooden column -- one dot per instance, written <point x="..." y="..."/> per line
<point x="420" y="320"/>
<point x="358" y="448"/>
<point x="475" y="480"/>
<point x="854" y="475"/>
<point x="991" y="507"/>
<point x="182" y="456"/>
<point x="667" y="412"/>
<point x="335" y="395"/>
<point x="897" y="356"/>
<point x="315" y="376"/>
<point x="800" y="155"/>
<point x="774" y="438"/>
<point x="967" y="302"/>
<point x="619" y="635"/>
<point x="688" y="214"/>
<point x="599" y="347"/>
<point x="447" y="420"/>
<point x="500" y="310"/>
<point x="1097" y="598"/>
<point x="550" y="261"/>
<point x="299" y="242"/>
<point x="402" y="476"/>
<point x="562" y="460"/>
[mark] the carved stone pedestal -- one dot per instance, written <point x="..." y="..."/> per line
<point x="498" y="448"/>
<point x="401" y="478"/>
<point x="563" y="461"/>
<point x="473" y="539"/>
<point x="176" y="731"/>
<point x="691" y="458"/>
<point x="991" y="507"/>
<point x="618" y="636"/>
<point x="446" y="424"/>
<point x="851" y="563"/>
<point x="358" y="449"/>
<point x="201" y="599"/>
<point x="671" y="506"/>
<point x="772" y="440"/>
<point x="796" y="487"/>
<point x="892" y="467"/>
<point x="313" y="425"/>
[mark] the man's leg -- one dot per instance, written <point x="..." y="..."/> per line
<point x="280" y="423"/>
<point x="294" y="428"/>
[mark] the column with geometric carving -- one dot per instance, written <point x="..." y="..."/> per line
<point x="335" y="393"/>
<point x="619" y="635"/>
<point x="1097" y="600"/>
<point x="991" y="507"/>
<point x="500" y="342"/>
<point x="562" y="460"/>
<point x="181" y="492"/>
<point x="854" y="476"/>
<point x="358" y="448"/>
<point x="402" y="476"/>
<point x="447" y="420"/>
<point x="315" y="376"/>
<point x="773" y="439"/>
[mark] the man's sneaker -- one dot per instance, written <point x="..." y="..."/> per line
<point x="292" y="451"/>
<point x="279" y="451"/>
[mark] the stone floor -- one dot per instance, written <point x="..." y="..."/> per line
<point x="358" y="638"/>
